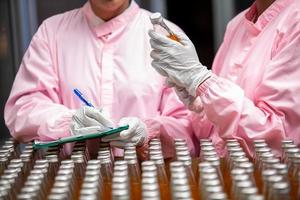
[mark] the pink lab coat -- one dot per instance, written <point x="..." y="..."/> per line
<point x="255" y="92"/>
<point x="109" y="62"/>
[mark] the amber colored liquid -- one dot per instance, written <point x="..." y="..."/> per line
<point x="223" y="165"/>
<point x="226" y="177"/>
<point x="222" y="169"/>
<point x="258" y="180"/>
<point x="135" y="182"/>
<point x="294" y="187"/>
<point x="167" y="167"/>
<point x="165" y="192"/>
<point x="195" y="163"/>
<point x="174" y="37"/>
<point x="194" y="191"/>
<point x="136" y="191"/>
<point x="49" y="186"/>
<point x="163" y="180"/>
<point x="76" y="193"/>
<point x="193" y="181"/>
<point x="107" y="195"/>
<point x="298" y="190"/>
<point x="52" y="174"/>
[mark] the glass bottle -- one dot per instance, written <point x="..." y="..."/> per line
<point x="187" y="163"/>
<point x="160" y="25"/>
<point x="246" y="192"/>
<point x="290" y="155"/>
<point x="218" y="196"/>
<point x="289" y="151"/>
<point x="209" y="190"/>
<point x="270" y="183"/>
<point x="249" y="168"/>
<point x="5" y="189"/>
<point x="204" y="140"/>
<point x="280" y="191"/>
<point x="89" y="194"/>
<point x="235" y="155"/>
<point x="285" y="146"/>
<point x="207" y="175"/>
<point x="238" y="161"/>
<point x="150" y="186"/>
<point x="201" y="166"/>
<point x="256" y="197"/>
<point x="148" y="163"/>
<point x="89" y="189"/>
<point x="239" y="186"/>
<point x="32" y="191"/>
<point x="209" y="184"/>
<point x="231" y="144"/>
<point x="161" y="175"/>
<point x="294" y="170"/>
<point x="206" y="150"/>
<point x="180" y="188"/>
<point x="236" y="180"/>
<point x="134" y="175"/>
<point x="120" y="188"/>
<point x="282" y="169"/>
<point x="258" y="153"/>
<point x="16" y="145"/>
<point x="62" y="188"/>
<point x="93" y="178"/>
<point x="215" y="162"/>
<point x="28" y="163"/>
<point x="263" y="158"/>
<point x="298" y="196"/>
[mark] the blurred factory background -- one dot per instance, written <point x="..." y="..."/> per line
<point x="203" y="21"/>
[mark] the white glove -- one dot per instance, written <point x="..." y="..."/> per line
<point x="192" y="103"/>
<point x="89" y="120"/>
<point x="178" y="61"/>
<point x="136" y="133"/>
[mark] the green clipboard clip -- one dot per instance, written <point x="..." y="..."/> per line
<point x="77" y="138"/>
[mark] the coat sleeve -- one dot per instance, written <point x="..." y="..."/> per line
<point x="274" y="112"/>
<point x="34" y="109"/>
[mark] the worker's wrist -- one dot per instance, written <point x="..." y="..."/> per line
<point x="196" y="78"/>
<point x="201" y="89"/>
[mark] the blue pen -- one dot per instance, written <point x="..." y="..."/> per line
<point x="86" y="102"/>
<point x="81" y="97"/>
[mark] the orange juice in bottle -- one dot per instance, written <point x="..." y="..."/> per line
<point x="160" y="26"/>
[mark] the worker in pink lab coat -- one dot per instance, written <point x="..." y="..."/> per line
<point x="103" y="50"/>
<point x="253" y="90"/>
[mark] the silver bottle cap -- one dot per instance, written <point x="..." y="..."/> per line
<point x="256" y="197"/>
<point x="218" y="196"/>
<point x="248" y="191"/>
<point x="281" y="188"/>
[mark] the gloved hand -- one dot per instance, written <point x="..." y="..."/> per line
<point x="178" y="61"/>
<point x="89" y="120"/>
<point x="136" y="133"/>
<point x="192" y="103"/>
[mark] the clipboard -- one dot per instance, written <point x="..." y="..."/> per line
<point x="77" y="138"/>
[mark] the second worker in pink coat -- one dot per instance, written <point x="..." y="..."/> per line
<point x="253" y="89"/>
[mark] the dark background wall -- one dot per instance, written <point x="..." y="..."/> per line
<point x="7" y="70"/>
<point x="196" y="21"/>
<point x="242" y="5"/>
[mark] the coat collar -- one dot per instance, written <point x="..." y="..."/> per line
<point x="266" y="17"/>
<point x="103" y="28"/>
